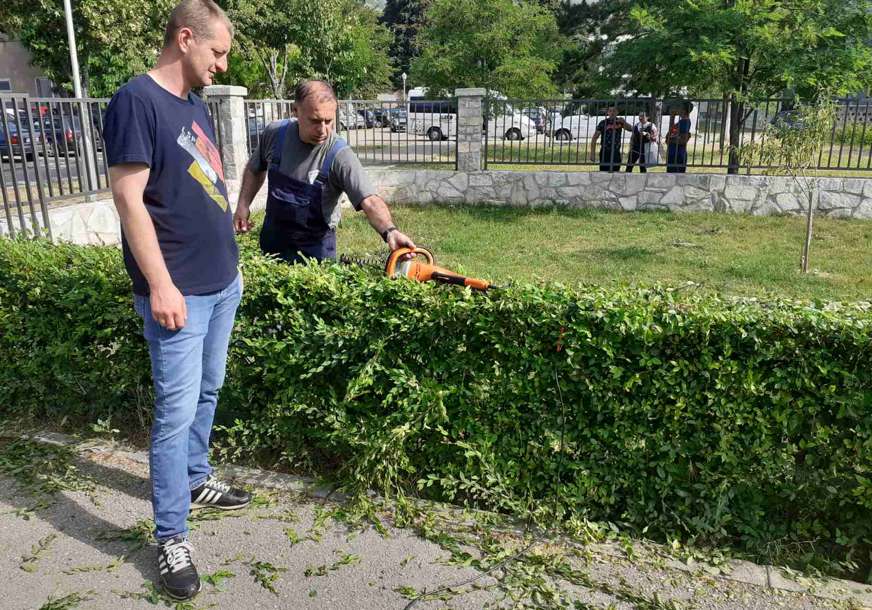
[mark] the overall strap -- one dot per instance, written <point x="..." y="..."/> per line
<point x="278" y="144"/>
<point x="338" y="145"/>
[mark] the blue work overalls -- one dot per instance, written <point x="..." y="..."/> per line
<point x="295" y="227"/>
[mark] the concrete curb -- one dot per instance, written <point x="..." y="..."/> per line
<point x="771" y="577"/>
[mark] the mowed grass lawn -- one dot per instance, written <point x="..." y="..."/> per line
<point x="729" y="254"/>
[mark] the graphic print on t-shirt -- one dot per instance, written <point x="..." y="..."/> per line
<point x="206" y="167"/>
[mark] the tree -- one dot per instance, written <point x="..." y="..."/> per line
<point x="341" y="42"/>
<point x="745" y="49"/>
<point x="793" y="147"/>
<point x="403" y="18"/>
<point x="592" y="28"/>
<point x="503" y="45"/>
<point x="116" y="39"/>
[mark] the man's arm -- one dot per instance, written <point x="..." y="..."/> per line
<point x="251" y="183"/>
<point x="379" y="217"/>
<point x="128" y="184"/>
<point x="684" y="132"/>
<point x="596" y="135"/>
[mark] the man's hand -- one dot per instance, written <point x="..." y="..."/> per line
<point x="241" y="222"/>
<point x="168" y="307"/>
<point x="400" y="240"/>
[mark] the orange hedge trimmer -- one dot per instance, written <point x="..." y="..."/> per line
<point x="408" y="263"/>
<point x="415" y="269"/>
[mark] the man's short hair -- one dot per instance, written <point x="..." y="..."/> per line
<point x="196" y="15"/>
<point x="319" y="90"/>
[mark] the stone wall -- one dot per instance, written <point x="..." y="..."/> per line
<point x="97" y="222"/>
<point x="758" y="195"/>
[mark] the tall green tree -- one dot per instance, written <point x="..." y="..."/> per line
<point x="745" y="49"/>
<point x="403" y="18"/>
<point x="504" y="45"/>
<point x="592" y="29"/>
<point x="337" y="40"/>
<point x="116" y="39"/>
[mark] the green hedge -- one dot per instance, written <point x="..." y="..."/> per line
<point x="677" y="413"/>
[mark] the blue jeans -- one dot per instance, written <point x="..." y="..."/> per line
<point x="676" y="159"/>
<point x="187" y="366"/>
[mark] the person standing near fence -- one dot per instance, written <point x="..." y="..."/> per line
<point x="308" y="167"/>
<point x="644" y="135"/>
<point x="676" y="141"/>
<point x="180" y="252"/>
<point x="610" y="129"/>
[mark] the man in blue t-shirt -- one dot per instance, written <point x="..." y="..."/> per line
<point x="180" y="252"/>
<point x="676" y="142"/>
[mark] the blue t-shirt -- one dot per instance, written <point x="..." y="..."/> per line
<point x="186" y="196"/>
<point x="679" y="129"/>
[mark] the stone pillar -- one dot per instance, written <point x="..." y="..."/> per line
<point x="232" y="123"/>
<point x="469" y="124"/>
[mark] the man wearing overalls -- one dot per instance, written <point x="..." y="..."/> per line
<point x="308" y="167"/>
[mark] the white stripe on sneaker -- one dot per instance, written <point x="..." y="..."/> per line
<point x="203" y="494"/>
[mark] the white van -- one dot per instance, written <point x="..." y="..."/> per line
<point x="503" y="120"/>
<point x="582" y="126"/>
<point x="437" y="119"/>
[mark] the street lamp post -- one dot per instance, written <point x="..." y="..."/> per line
<point x="84" y="108"/>
<point x="403" y="75"/>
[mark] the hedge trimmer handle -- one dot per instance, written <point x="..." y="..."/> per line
<point x="396" y="255"/>
<point x="398" y="266"/>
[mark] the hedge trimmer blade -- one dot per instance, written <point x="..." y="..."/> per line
<point x="364" y="260"/>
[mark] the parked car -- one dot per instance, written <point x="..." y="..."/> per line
<point x="12" y="144"/>
<point x="582" y="126"/>
<point x="369" y="120"/>
<point x="539" y="116"/>
<point x="348" y="118"/>
<point x="382" y="116"/>
<point x="256" y="125"/>
<point x="63" y="135"/>
<point x="397" y="120"/>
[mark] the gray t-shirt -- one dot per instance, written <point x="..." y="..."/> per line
<point x="302" y="162"/>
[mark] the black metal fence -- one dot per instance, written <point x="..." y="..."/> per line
<point x="381" y="133"/>
<point x="50" y="149"/>
<point x="561" y="132"/>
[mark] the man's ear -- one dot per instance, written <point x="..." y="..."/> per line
<point x="184" y="39"/>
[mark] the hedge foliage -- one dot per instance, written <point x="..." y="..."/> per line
<point x="681" y="414"/>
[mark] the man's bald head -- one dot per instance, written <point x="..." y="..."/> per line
<point x="313" y="90"/>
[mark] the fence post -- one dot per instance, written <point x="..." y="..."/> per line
<point x="232" y="124"/>
<point x="469" y="124"/>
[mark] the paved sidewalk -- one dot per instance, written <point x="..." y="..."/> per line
<point x="88" y="547"/>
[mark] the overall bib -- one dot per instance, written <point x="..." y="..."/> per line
<point x="295" y="228"/>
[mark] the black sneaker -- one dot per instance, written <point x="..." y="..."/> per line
<point x="215" y="494"/>
<point x="178" y="576"/>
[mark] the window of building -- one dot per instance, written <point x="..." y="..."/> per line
<point x="44" y="87"/>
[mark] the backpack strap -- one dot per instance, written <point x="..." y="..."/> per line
<point x="324" y="173"/>
<point x="278" y="144"/>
